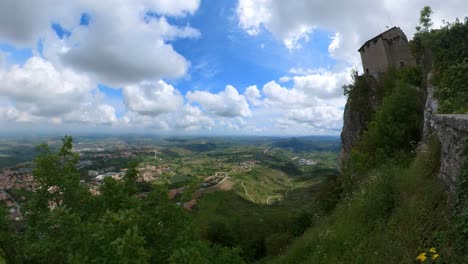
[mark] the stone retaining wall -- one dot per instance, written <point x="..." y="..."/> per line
<point x="452" y="131"/>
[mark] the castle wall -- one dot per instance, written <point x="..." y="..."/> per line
<point x="388" y="49"/>
<point x="374" y="57"/>
<point x="398" y="52"/>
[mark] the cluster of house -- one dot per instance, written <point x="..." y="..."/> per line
<point x="150" y="173"/>
<point x="15" y="178"/>
<point x="245" y="165"/>
<point x="20" y="178"/>
<point x="304" y="162"/>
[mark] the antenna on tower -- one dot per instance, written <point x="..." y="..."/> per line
<point x="389" y="19"/>
<point x="380" y="28"/>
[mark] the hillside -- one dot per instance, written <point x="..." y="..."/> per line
<point x="396" y="193"/>
<point x="404" y="163"/>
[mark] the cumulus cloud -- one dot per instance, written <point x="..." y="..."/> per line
<point x="227" y="103"/>
<point x="253" y="95"/>
<point x="22" y="22"/>
<point x="314" y="101"/>
<point x="352" y="22"/>
<point x="125" y="41"/>
<point x="192" y="119"/>
<point x="92" y="113"/>
<point x="152" y="98"/>
<point x="39" y="91"/>
<point x="2" y="60"/>
<point x="124" y="46"/>
<point x="278" y="95"/>
<point x="134" y="119"/>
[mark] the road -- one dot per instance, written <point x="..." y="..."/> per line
<point x="246" y="192"/>
<point x="292" y="188"/>
<point x="18" y="207"/>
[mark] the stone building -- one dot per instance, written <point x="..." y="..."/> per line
<point x="388" y="49"/>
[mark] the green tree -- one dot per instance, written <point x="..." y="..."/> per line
<point x="64" y="223"/>
<point x="425" y="20"/>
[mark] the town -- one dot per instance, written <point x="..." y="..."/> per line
<point x="182" y="166"/>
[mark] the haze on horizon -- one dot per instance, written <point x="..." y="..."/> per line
<point x="188" y="67"/>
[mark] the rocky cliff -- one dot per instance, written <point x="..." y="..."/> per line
<point x="451" y="131"/>
<point x="356" y="117"/>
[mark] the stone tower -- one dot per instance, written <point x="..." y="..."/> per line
<point x="388" y="49"/>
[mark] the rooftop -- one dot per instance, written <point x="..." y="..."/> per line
<point x="376" y="37"/>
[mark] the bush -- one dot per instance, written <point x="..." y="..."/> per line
<point x="394" y="131"/>
<point x="453" y="89"/>
<point x="447" y="49"/>
<point x="275" y="244"/>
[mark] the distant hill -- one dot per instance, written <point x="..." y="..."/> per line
<point x="301" y="144"/>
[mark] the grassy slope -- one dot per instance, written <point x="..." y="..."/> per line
<point x="397" y="214"/>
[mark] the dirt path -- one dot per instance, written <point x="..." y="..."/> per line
<point x="246" y="192"/>
<point x="292" y="188"/>
<point x="219" y="183"/>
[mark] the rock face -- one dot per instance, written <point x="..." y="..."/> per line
<point x="353" y="124"/>
<point x="452" y="132"/>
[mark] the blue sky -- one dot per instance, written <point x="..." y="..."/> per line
<point x="261" y="67"/>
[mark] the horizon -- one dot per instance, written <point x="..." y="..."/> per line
<point x="188" y="68"/>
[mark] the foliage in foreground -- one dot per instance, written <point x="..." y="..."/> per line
<point x="445" y="50"/>
<point x="396" y="214"/>
<point x="65" y="223"/>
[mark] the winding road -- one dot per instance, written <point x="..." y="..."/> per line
<point x="246" y="192"/>
<point x="292" y="188"/>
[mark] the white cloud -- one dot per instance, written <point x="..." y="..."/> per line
<point x="22" y="22"/>
<point x="136" y="120"/>
<point x="314" y="103"/>
<point x="253" y="95"/>
<point x="227" y="103"/>
<point x="278" y="95"/>
<point x="120" y="47"/>
<point x="37" y="91"/>
<point x="353" y="21"/>
<point x="152" y="98"/>
<point x="41" y="89"/>
<point x="193" y="119"/>
<point x="189" y="118"/>
<point x="121" y="44"/>
<point x="252" y="14"/>
<point x="2" y="60"/>
<point x="335" y="43"/>
<point x="325" y="85"/>
<point x="92" y="113"/>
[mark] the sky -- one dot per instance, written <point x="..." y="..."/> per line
<point x="189" y="67"/>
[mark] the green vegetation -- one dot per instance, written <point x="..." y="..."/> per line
<point x="460" y="215"/>
<point x="131" y="221"/>
<point x="398" y="212"/>
<point x="445" y="50"/>
<point x="227" y="219"/>
<point x="66" y="223"/>
<point x="387" y="206"/>
<point x="392" y="207"/>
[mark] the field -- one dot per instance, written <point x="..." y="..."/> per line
<point x="254" y="193"/>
